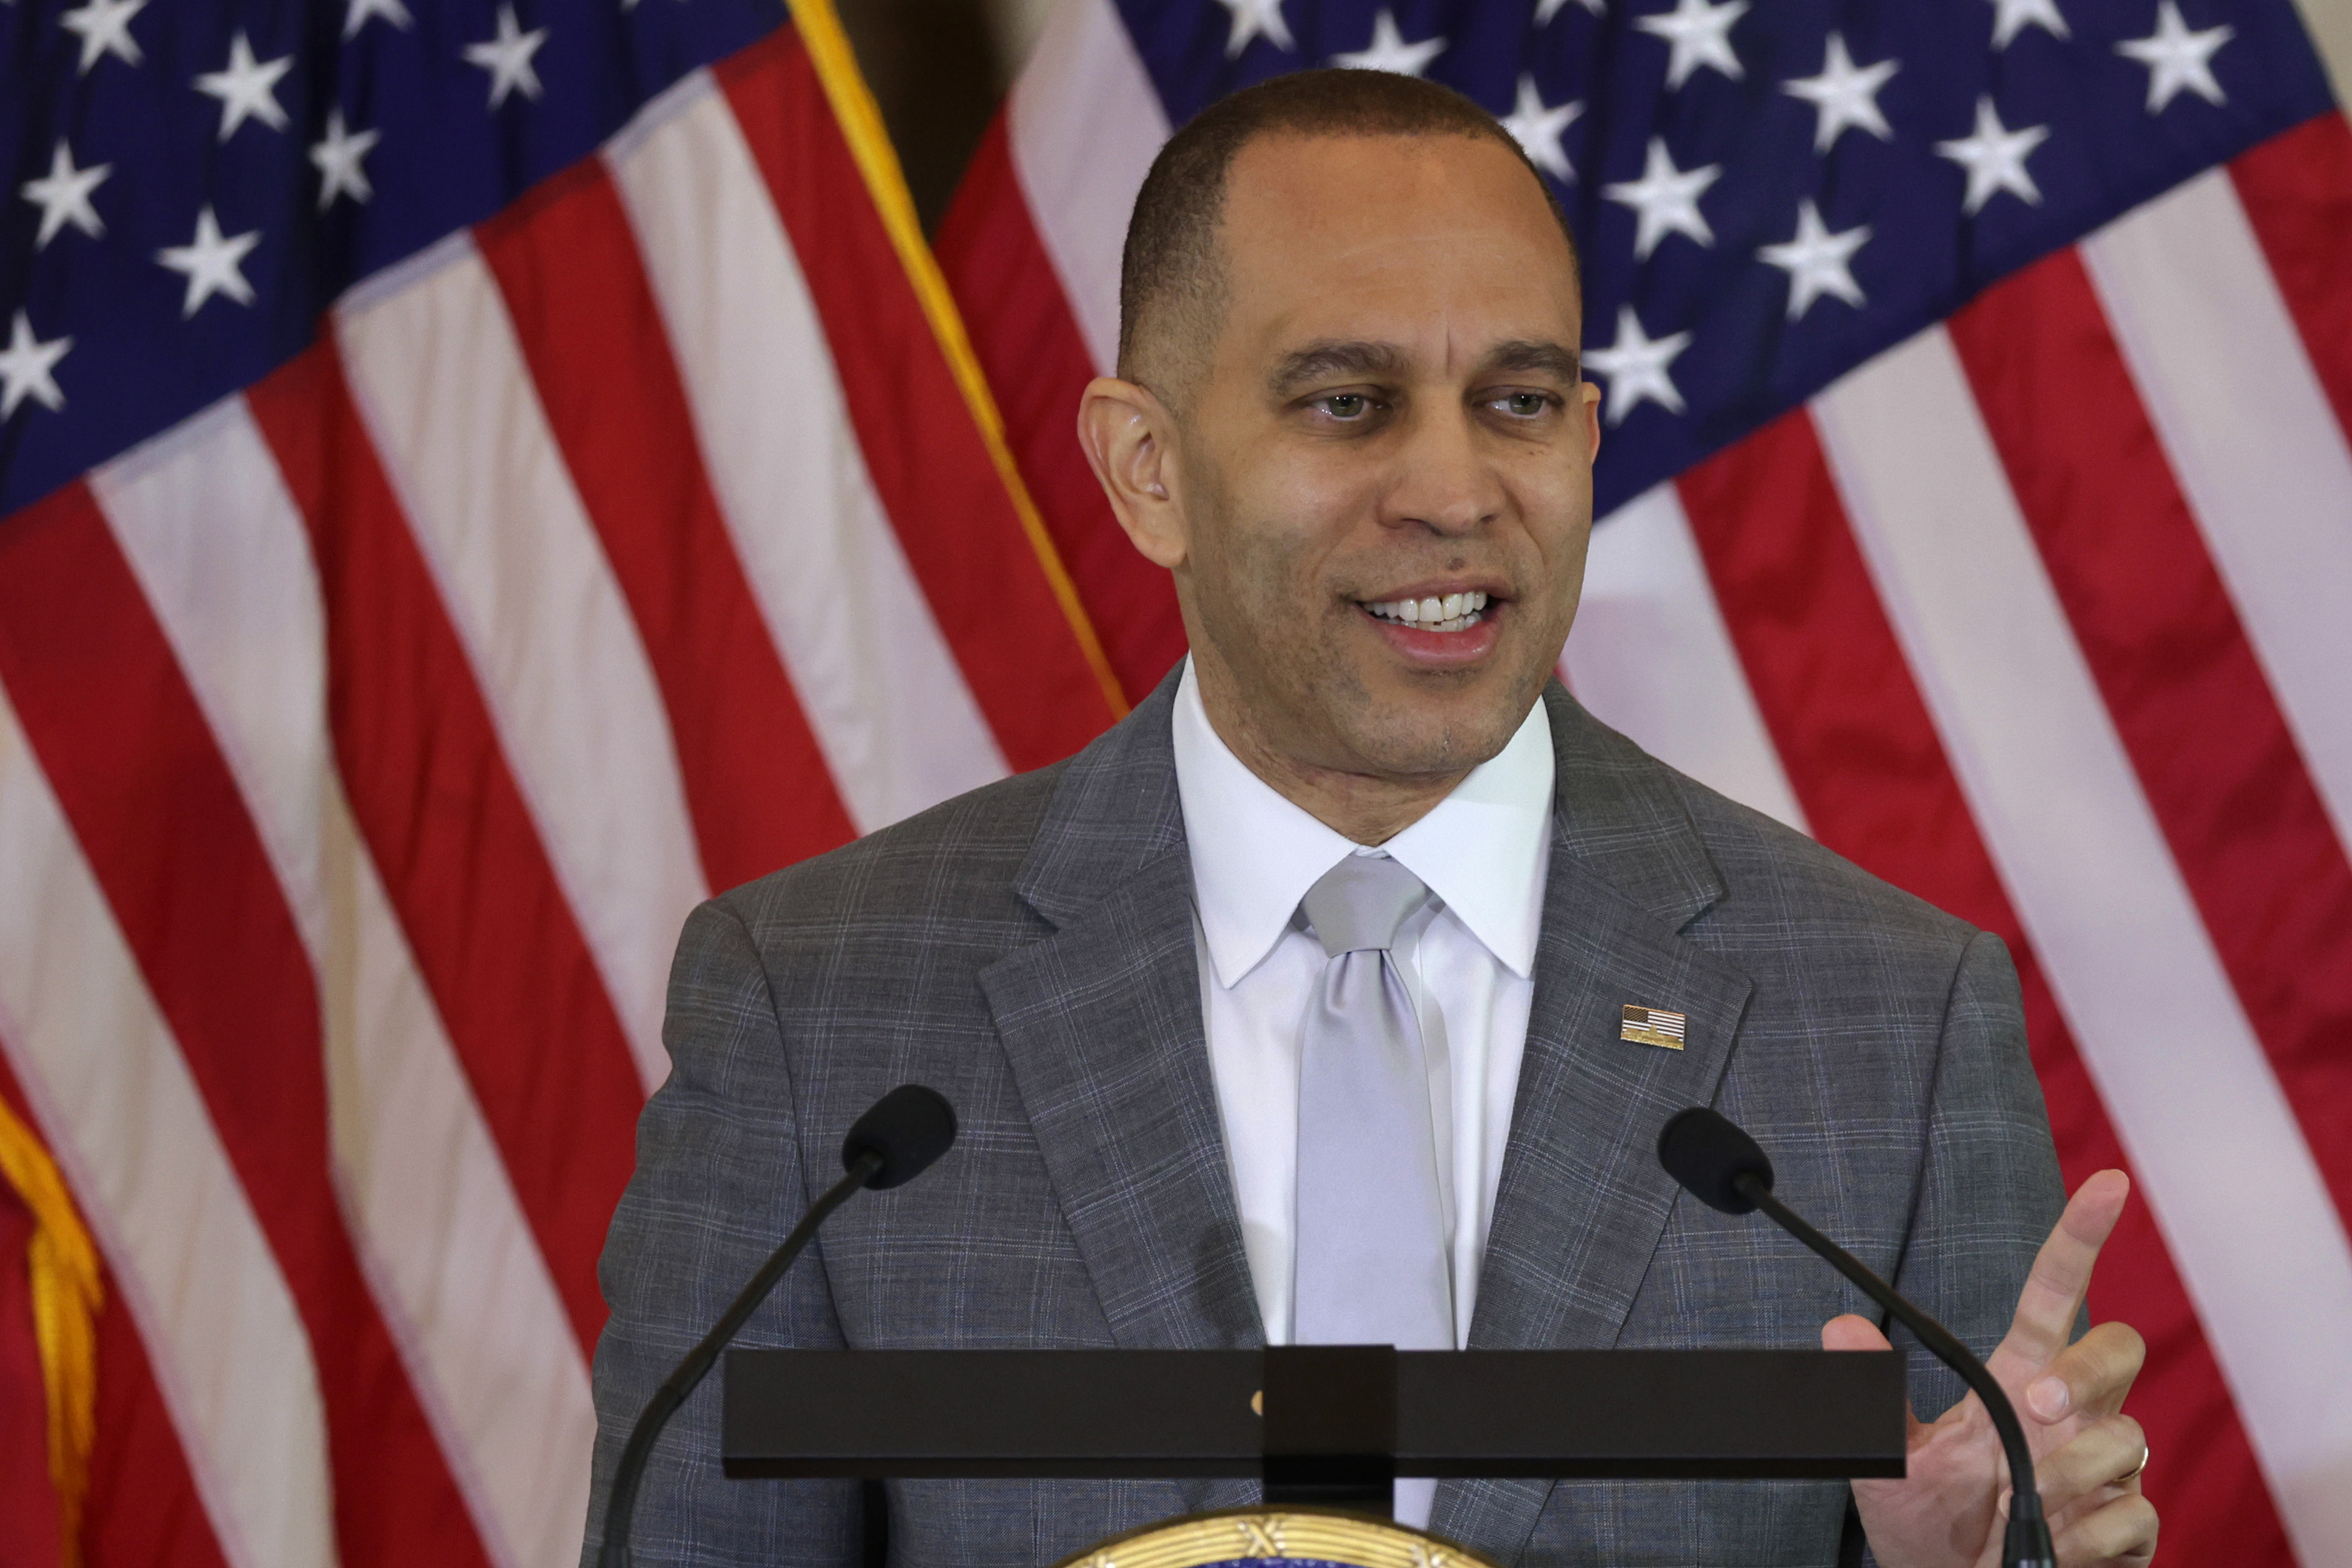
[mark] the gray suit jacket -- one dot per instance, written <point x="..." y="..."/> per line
<point x="1027" y="949"/>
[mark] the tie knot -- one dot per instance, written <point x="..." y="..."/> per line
<point x="1360" y="904"/>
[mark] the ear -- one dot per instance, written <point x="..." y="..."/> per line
<point x="1129" y="433"/>
<point x="1590" y="397"/>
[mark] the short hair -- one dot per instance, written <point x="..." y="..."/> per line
<point x="1170" y="266"/>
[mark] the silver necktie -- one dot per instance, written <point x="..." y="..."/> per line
<point x="1372" y="1263"/>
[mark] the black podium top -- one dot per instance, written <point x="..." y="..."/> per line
<point x="1720" y="1414"/>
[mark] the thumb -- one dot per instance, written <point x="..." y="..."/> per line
<point x="1851" y="1332"/>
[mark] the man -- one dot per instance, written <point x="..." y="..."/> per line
<point x="1339" y="992"/>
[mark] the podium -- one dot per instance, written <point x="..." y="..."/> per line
<point x="1323" y="1425"/>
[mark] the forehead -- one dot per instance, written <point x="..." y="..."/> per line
<point x="1392" y="238"/>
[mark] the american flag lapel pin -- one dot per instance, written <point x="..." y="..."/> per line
<point x="1653" y="1026"/>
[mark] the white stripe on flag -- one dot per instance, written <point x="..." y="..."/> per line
<point x="2226" y="1170"/>
<point x="1086" y="123"/>
<point x="1650" y="654"/>
<point x="127" y="1123"/>
<point x="2255" y="440"/>
<point x="223" y="558"/>
<point x="447" y="397"/>
<point x="884" y="697"/>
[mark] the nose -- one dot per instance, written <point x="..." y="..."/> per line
<point x="1444" y="484"/>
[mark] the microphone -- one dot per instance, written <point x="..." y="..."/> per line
<point x="894" y="1142"/>
<point x="1718" y="1163"/>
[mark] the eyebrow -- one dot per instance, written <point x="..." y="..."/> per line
<point x="1548" y="358"/>
<point x="1320" y="361"/>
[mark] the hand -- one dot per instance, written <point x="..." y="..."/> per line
<point x="1950" y="1510"/>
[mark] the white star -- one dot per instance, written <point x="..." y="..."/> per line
<point x="1257" y="19"/>
<point x="1388" y="51"/>
<point x="342" y="172"/>
<point x="357" y="11"/>
<point x="63" y="196"/>
<point x="2013" y="16"/>
<point x="1995" y="158"/>
<point x="105" y="29"/>
<point x="1537" y="130"/>
<point x="247" y="88"/>
<point x="1547" y="9"/>
<point x="1817" y="261"/>
<point x="24" y="367"/>
<point x="1701" y="36"/>
<point x="2176" y="58"/>
<point x="1667" y="199"/>
<point x="1636" y="367"/>
<point x="212" y="264"/>
<point x="1844" y="95"/>
<point x="507" y="57"/>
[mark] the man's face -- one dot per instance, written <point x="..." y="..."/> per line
<point x="1383" y="471"/>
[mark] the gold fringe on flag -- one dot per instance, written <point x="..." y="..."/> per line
<point x="855" y="110"/>
<point x="66" y="1297"/>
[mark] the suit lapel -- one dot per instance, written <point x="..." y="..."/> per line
<point x="1101" y="1022"/>
<point x="1583" y="1201"/>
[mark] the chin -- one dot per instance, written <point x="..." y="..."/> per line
<point x="1410" y="741"/>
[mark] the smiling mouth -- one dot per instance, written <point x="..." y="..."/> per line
<point x="1454" y="613"/>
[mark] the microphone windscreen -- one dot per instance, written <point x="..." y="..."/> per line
<point x="1708" y="1153"/>
<point x="909" y="1127"/>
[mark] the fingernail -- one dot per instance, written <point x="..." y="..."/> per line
<point x="2001" y="1502"/>
<point x="2049" y="1396"/>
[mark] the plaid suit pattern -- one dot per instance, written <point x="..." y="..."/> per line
<point x="1027" y="949"/>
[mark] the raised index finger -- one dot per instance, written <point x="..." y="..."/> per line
<point x="2054" y="1291"/>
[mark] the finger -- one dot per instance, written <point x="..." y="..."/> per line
<point x="2123" y="1533"/>
<point x="2091" y="1376"/>
<point x="2101" y="1456"/>
<point x="2054" y="1291"/>
<point x="1852" y="1332"/>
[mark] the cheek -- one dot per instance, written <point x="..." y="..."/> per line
<point x="1554" y="499"/>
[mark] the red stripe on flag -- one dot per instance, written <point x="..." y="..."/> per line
<point x="460" y="855"/>
<point x="945" y="499"/>
<point x="2297" y="189"/>
<point x="158" y="815"/>
<point x="2189" y="700"/>
<point x="1038" y="363"/>
<point x="756" y="782"/>
<point x="1862" y="753"/>
<point x="141" y="1509"/>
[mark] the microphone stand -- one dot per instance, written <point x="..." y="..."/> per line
<point x="2026" y="1543"/>
<point x="621" y="1503"/>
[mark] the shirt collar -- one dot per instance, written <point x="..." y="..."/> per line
<point x="1484" y="849"/>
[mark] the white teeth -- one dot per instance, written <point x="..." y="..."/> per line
<point x="1454" y="612"/>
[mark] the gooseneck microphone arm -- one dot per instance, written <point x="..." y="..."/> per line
<point x="892" y="1144"/>
<point x="1723" y="1167"/>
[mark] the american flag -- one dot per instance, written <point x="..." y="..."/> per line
<point x="1976" y="498"/>
<point x="475" y="476"/>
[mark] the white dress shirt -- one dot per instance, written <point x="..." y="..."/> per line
<point x="1468" y="957"/>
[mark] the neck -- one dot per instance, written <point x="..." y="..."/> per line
<point x="1364" y="808"/>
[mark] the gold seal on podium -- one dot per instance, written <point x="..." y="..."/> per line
<point x="1304" y="1538"/>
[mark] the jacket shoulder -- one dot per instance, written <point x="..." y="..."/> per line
<point x="1774" y="872"/>
<point x="962" y="854"/>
